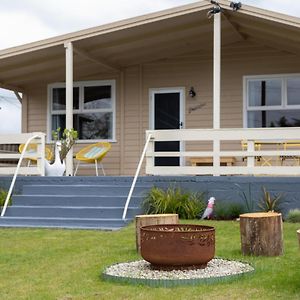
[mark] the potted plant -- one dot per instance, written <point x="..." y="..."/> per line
<point x="62" y="146"/>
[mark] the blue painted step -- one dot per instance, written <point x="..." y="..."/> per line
<point x="79" y="189"/>
<point x="71" y="212"/>
<point x="71" y="223"/>
<point x="74" y="200"/>
<point x="83" y="203"/>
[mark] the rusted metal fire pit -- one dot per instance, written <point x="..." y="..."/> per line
<point x="178" y="245"/>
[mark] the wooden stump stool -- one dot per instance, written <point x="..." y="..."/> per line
<point x="261" y="234"/>
<point x="144" y="220"/>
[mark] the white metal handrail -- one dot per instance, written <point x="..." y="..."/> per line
<point x="136" y="176"/>
<point x="19" y="165"/>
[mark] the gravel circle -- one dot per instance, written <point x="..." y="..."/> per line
<point x="140" y="271"/>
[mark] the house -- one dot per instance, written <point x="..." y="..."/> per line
<point x="162" y="71"/>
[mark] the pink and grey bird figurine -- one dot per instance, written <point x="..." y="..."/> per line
<point x="209" y="209"/>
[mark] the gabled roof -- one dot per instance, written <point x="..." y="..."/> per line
<point x="149" y="18"/>
<point x="143" y="39"/>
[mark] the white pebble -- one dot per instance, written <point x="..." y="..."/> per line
<point x="141" y="270"/>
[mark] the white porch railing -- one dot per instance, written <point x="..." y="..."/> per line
<point x="35" y="138"/>
<point x="274" y="138"/>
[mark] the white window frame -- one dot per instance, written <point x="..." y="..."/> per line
<point x="283" y="106"/>
<point x="81" y="85"/>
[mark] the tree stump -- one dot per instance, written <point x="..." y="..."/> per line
<point x="144" y="220"/>
<point x="261" y="234"/>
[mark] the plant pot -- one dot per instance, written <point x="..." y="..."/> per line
<point x="58" y="168"/>
<point x="178" y="245"/>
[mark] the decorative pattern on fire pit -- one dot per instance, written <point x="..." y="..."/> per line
<point x="200" y="236"/>
<point x="140" y="272"/>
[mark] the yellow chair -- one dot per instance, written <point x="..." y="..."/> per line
<point x="93" y="154"/>
<point x="32" y="150"/>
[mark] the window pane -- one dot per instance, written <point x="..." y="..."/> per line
<point x="265" y="92"/>
<point x="97" y="97"/>
<point x="59" y="98"/>
<point x="277" y="118"/>
<point x="94" y="125"/>
<point x="293" y="91"/>
<point x="58" y="121"/>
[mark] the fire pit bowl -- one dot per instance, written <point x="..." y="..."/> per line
<point x="178" y="245"/>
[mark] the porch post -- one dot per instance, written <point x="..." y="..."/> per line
<point x="217" y="87"/>
<point x="69" y="101"/>
<point x="217" y="71"/>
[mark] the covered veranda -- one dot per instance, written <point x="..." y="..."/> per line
<point x="108" y="51"/>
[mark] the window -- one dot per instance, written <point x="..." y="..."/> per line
<point x="272" y="101"/>
<point x="93" y="109"/>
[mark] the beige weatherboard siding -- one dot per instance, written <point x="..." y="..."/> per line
<point x="189" y="71"/>
<point x="168" y="49"/>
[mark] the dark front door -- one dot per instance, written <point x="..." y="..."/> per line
<point x="167" y="116"/>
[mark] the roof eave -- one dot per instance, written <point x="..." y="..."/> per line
<point x="145" y="19"/>
<point x="104" y="29"/>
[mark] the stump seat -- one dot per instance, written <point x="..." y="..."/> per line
<point x="261" y="234"/>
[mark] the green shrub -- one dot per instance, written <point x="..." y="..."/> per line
<point x="293" y="216"/>
<point x="227" y="210"/>
<point x="269" y="202"/>
<point x="3" y="195"/>
<point x="186" y="204"/>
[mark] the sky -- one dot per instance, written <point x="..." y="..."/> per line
<point x="24" y="21"/>
<point x="10" y="115"/>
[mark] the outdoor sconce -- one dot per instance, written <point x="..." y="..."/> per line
<point x="235" y="5"/>
<point x="192" y="92"/>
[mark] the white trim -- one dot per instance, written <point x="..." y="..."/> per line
<point x="284" y="105"/>
<point x="272" y="76"/>
<point x="152" y="91"/>
<point x="69" y="102"/>
<point x="166" y="90"/>
<point x="217" y="71"/>
<point x="81" y="85"/>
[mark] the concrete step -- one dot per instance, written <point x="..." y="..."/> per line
<point x="70" y="223"/>
<point x="86" y="189"/>
<point x="71" y="212"/>
<point x="74" y="200"/>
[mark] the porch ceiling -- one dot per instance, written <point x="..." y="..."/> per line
<point x="142" y="40"/>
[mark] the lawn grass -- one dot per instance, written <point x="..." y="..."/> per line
<point x="66" y="264"/>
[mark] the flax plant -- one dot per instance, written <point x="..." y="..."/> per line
<point x="173" y="200"/>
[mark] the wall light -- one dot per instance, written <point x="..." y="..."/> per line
<point x="192" y="92"/>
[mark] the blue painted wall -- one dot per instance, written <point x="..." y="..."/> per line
<point x="223" y="188"/>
